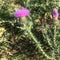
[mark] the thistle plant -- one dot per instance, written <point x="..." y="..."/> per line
<point x="52" y="35"/>
<point x="23" y="13"/>
<point x="25" y="26"/>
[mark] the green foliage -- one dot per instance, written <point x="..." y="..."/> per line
<point x="36" y="39"/>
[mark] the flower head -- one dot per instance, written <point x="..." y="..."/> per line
<point x="55" y="13"/>
<point x="22" y="12"/>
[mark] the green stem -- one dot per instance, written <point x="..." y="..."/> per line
<point x="55" y="36"/>
<point x="39" y="45"/>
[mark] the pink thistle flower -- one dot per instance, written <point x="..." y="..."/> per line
<point x="22" y="13"/>
<point x="55" y="13"/>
